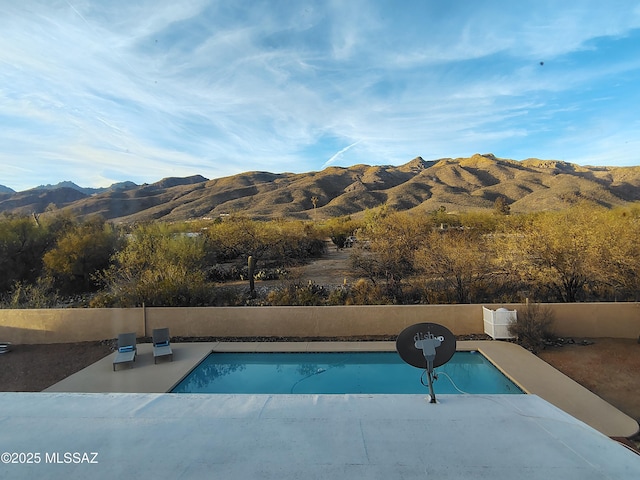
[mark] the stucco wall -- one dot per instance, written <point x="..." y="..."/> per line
<point x="67" y="325"/>
<point x="621" y="320"/>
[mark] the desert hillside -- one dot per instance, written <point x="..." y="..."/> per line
<point x="460" y="184"/>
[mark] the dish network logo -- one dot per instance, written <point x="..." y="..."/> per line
<point x="427" y="342"/>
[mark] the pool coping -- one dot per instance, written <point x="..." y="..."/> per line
<point x="532" y="374"/>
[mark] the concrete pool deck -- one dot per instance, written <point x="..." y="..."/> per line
<point x="529" y="372"/>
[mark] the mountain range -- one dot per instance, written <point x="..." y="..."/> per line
<point x="461" y="184"/>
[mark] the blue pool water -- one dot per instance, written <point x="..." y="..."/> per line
<point x="340" y="373"/>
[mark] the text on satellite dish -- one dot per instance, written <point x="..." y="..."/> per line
<point x="421" y="336"/>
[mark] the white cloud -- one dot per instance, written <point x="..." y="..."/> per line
<point x="337" y="155"/>
<point x="155" y="87"/>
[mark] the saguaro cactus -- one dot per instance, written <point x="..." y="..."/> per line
<point x="251" y="263"/>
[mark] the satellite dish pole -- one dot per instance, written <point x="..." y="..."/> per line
<point x="428" y="344"/>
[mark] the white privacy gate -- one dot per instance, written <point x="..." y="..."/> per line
<point x="496" y="322"/>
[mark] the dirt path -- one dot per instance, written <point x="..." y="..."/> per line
<point x="332" y="269"/>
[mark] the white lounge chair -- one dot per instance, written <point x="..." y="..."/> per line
<point x="161" y="343"/>
<point x="126" y="349"/>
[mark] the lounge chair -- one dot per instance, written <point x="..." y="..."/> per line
<point x="161" y="344"/>
<point x="126" y="349"/>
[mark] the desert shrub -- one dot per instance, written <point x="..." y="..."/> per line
<point x="412" y="294"/>
<point x="432" y="293"/>
<point x="22" y="244"/>
<point x="339" y="240"/>
<point x="366" y="293"/>
<point x="226" y="297"/>
<point x="533" y="325"/>
<point x="460" y="259"/>
<point x="103" y="300"/>
<point x="338" y="296"/>
<point x="223" y="272"/>
<point x="296" y="293"/>
<point x="27" y="295"/>
<point x="81" y="251"/>
<point x="159" y="269"/>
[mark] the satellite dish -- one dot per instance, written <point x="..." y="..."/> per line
<point x="426" y="346"/>
<point x="406" y="344"/>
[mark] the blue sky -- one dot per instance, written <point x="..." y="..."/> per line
<point x="98" y="92"/>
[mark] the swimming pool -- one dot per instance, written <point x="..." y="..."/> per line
<point x="340" y="373"/>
